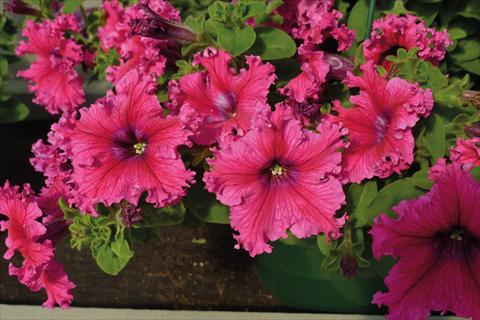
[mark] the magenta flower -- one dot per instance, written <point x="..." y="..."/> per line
<point x="380" y="124"/>
<point x="436" y="240"/>
<point x="52" y="76"/>
<point x="279" y="177"/>
<point x="466" y="152"/>
<point x="123" y="146"/>
<point x="115" y="30"/>
<point x="27" y="236"/>
<point x="308" y="83"/>
<point x="314" y="21"/>
<point x="217" y="101"/>
<point x="136" y="51"/>
<point x="393" y="32"/>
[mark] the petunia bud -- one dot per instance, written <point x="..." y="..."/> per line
<point x="349" y="265"/>
<point x="130" y="214"/>
<point x="472" y="96"/>
<point x="20" y="7"/>
<point x="157" y="27"/>
<point x="339" y="65"/>
<point x="472" y="131"/>
<point x="56" y="231"/>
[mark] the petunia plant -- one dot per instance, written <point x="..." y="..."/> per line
<point x="352" y="125"/>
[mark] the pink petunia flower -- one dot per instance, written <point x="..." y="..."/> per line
<point x="115" y="30"/>
<point x="436" y="241"/>
<point x="308" y="83"/>
<point x="217" y="101"/>
<point x="125" y="31"/>
<point x="393" y="32"/>
<point x="52" y="76"/>
<point x="279" y="177"/>
<point x="314" y="21"/>
<point x="380" y="124"/>
<point x="466" y="152"/>
<point x="123" y="146"/>
<point x="29" y="237"/>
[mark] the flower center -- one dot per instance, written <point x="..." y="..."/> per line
<point x="458" y="242"/>
<point x="382" y="124"/>
<point x="226" y="103"/>
<point x="277" y="170"/>
<point x="140" y="148"/>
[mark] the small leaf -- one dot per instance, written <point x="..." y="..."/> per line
<point x="476" y="173"/>
<point x="205" y="206"/>
<point x="467" y="49"/>
<point x="389" y="196"/>
<point x="357" y="20"/>
<point x="273" y="44"/>
<point x="155" y="217"/>
<point x="108" y="260"/>
<point x="435" y="137"/>
<point x="420" y="179"/>
<point x="13" y="111"/>
<point x="68" y="212"/>
<point x="70" y="6"/>
<point x="366" y="193"/>
<point x="236" y="41"/>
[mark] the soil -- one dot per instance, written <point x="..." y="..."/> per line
<point x="185" y="268"/>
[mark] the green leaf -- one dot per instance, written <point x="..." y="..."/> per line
<point x="273" y="44"/>
<point x="70" y="6"/>
<point x="323" y="244"/>
<point x="205" y="206"/>
<point x="68" y="212"/>
<point x="476" y="173"/>
<point x="236" y="41"/>
<point x="112" y="256"/>
<point x="272" y="5"/>
<point x="435" y="137"/>
<point x="361" y="196"/>
<point x="3" y="66"/>
<point x="462" y="27"/>
<point x="13" y="111"/>
<point x="420" y="179"/>
<point x="357" y="20"/>
<point x="108" y="260"/>
<point x="450" y="96"/>
<point x="254" y="8"/>
<point x="467" y="49"/>
<point x="469" y="9"/>
<point x="389" y="196"/>
<point x="155" y="217"/>
<point x="196" y="24"/>
<point x="470" y="66"/>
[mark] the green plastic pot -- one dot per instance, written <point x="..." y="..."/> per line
<point x="292" y="274"/>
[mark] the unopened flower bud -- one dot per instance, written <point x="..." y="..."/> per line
<point x="349" y="265"/>
<point x="339" y="66"/>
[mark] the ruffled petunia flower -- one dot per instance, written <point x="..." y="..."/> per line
<point x="30" y="238"/>
<point x="466" y="152"/>
<point x="217" y="101"/>
<point x="314" y="22"/>
<point x="124" y="31"/>
<point x="123" y="146"/>
<point x="280" y="177"/>
<point x="393" y="32"/>
<point x="115" y="31"/>
<point x="435" y="239"/>
<point x="52" y="76"/>
<point x="380" y="124"/>
<point x="307" y="85"/>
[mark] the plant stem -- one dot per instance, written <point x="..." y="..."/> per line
<point x="371" y="9"/>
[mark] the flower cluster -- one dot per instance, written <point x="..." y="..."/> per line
<point x="260" y="109"/>
<point x="35" y="242"/>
